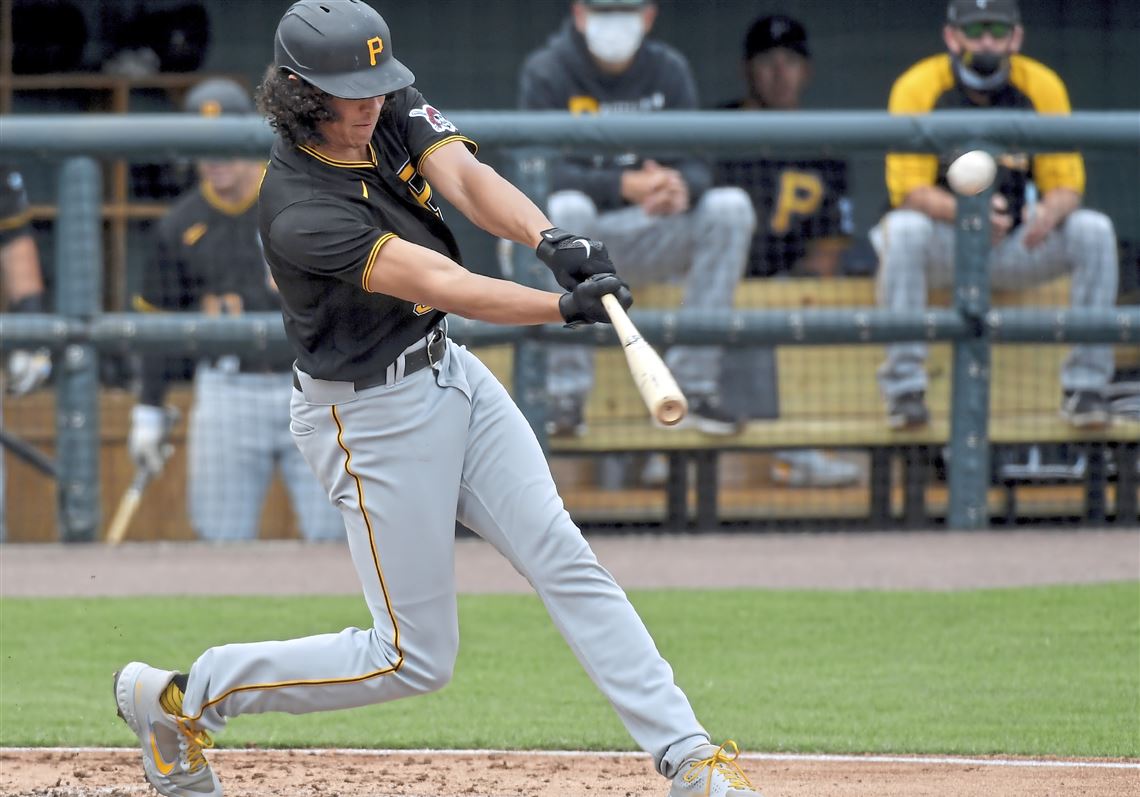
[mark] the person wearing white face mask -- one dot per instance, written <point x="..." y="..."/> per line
<point x="661" y="219"/>
<point x="613" y="37"/>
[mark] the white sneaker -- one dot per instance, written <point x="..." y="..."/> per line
<point x="813" y="468"/>
<point x="171" y="745"/>
<point x="656" y="470"/>
<point x="710" y="772"/>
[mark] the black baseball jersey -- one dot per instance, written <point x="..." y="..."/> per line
<point x="324" y="221"/>
<point x="208" y="259"/>
<point x="14" y="213"/>
<point x="930" y="85"/>
<point x="796" y="202"/>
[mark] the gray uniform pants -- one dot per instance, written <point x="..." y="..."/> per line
<point x="402" y="461"/>
<point x="917" y="253"/>
<point x="706" y="248"/>
<point x="238" y="433"/>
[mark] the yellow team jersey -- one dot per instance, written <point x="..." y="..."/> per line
<point x="929" y="85"/>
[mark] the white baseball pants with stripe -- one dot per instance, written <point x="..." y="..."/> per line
<point x="917" y="253"/>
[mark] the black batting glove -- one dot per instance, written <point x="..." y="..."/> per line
<point x="573" y="258"/>
<point x="583" y="305"/>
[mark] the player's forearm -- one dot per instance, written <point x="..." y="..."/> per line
<point x="20" y="269"/>
<point x="1060" y="202"/>
<point x="498" y="301"/>
<point x="501" y="209"/>
<point x="417" y="274"/>
<point x="934" y="201"/>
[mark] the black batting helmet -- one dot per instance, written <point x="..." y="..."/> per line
<point x="343" y="47"/>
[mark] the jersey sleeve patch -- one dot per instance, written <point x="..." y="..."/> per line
<point x="434" y="118"/>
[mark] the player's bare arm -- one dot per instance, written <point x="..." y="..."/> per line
<point x="20" y="269"/>
<point x="1050" y="211"/>
<point x="933" y="200"/>
<point x="483" y="196"/>
<point x="418" y="274"/>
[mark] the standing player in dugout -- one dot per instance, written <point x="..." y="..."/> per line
<point x="209" y="258"/>
<point x="406" y="431"/>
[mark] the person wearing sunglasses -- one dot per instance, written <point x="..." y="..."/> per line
<point x="1039" y="229"/>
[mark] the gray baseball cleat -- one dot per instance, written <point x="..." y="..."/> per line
<point x="171" y="744"/>
<point x="710" y="771"/>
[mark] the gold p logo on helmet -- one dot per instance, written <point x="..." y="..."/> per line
<point x="375" y="47"/>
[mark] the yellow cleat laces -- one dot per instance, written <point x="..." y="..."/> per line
<point x="721" y="762"/>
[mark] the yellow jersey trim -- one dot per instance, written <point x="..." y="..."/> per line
<point x="471" y="145"/>
<point x="141" y="305"/>
<point x="341" y="164"/>
<point x="383" y="239"/>
<point x="19" y="220"/>
<point x="350" y="679"/>
<point x="225" y="206"/>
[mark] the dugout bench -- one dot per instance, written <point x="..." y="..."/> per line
<point x="829" y="399"/>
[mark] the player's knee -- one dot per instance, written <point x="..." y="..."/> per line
<point x="906" y="228"/>
<point x="727" y="208"/>
<point x="572" y="210"/>
<point x="1090" y="226"/>
<point x="429" y="662"/>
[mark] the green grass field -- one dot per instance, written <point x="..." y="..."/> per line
<point x="1049" y="671"/>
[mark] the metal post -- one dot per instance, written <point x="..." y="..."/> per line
<point x="529" y="373"/>
<point x="79" y="293"/>
<point x="970" y="398"/>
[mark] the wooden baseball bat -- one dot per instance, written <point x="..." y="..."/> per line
<point x="656" y="384"/>
<point x="128" y="505"/>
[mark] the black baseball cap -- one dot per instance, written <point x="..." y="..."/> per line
<point x="776" y="30"/>
<point x="217" y="96"/>
<point x="963" y="12"/>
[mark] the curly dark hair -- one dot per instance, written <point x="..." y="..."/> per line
<point x="294" y="108"/>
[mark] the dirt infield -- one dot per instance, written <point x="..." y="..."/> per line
<point x="940" y="561"/>
<point x="342" y="774"/>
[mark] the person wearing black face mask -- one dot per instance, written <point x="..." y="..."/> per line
<point x="1039" y="229"/>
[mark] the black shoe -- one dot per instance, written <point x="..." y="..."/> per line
<point x="1084" y="409"/>
<point x="564" y="418"/>
<point x="907" y="411"/>
<point x="707" y="415"/>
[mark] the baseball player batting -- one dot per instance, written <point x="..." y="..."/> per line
<point x="406" y="431"/>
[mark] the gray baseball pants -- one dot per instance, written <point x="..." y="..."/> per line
<point x="917" y="253"/>
<point x="705" y="248"/>
<point x="402" y="461"/>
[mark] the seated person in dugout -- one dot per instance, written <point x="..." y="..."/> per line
<point x="660" y="220"/>
<point x="803" y="227"/>
<point x="1039" y="229"/>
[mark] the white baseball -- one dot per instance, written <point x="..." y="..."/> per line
<point x="972" y="173"/>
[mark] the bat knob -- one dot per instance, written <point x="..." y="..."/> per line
<point x="672" y="410"/>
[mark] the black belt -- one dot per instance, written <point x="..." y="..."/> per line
<point x="418" y="360"/>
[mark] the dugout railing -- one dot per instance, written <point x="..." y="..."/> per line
<point x="79" y="330"/>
